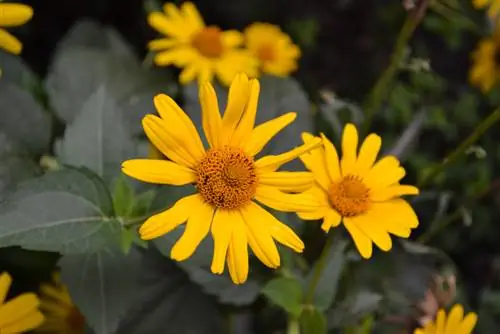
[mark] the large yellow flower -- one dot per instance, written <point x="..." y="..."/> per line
<point x="12" y="15"/>
<point x="455" y="323"/>
<point x="492" y="5"/>
<point x="485" y="70"/>
<point x="19" y="314"/>
<point x="62" y="316"/>
<point x="362" y="194"/>
<point x="202" y="51"/>
<point x="274" y="49"/>
<point x="227" y="178"/>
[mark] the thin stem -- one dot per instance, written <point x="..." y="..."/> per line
<point x="318" y="269"/>
<point x="293" y="326"/>
<point x="379" y="91"/>
<point x="460" y="150"/>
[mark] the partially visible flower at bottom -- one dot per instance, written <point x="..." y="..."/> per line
<point x="485" y="69"/>
<point x="62" y="316"/>
<point x="454" y="323"/>
<point x="21" y="313"/>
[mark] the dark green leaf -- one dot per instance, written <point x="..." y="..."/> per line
<point x="101" y="285"/>
<point x="98" y="138"/>
<point x="123" y="196"/>
<point x="285" y="292"/>
<point x="23" y="119"/>
<point x="167" y="302"/>
<point x="65" y="211"/>
<point x="312" y="321"/>
<point x="15" y="70"/>
<point x="130" y="237"/>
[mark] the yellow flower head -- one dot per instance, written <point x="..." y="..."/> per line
<point x="485" y="70"/>
<point x="455" y="323"/>
<point x="274" y="49"/>
<point x="227" y="178"/>
<point x="492" y="5"/>
<point x="361" y="193"/>
<point x="19" y="314"/>
<point x="62" y="316"/>
<point x="12" y="15"/>
<point x="200" y="50"/>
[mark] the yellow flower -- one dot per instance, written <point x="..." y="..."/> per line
<point x="227" y="178"/>
<point x="19" y="314"/>
<point x="62" y="316"/>
<point x="454" y="324"/>
<point x="362" y="194"/>
<point x="200" y="50"/>
<point x="492" y="5"/>
<point x="485" y="70"/>
<point x="274" y="49"/>
<point x="12" y="15"/>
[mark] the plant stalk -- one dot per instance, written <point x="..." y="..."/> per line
<point x="318" y="270"/>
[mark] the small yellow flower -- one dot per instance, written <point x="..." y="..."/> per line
<point x="12" y="15"/>
<point x="227" y="178"/>
<point x="62" y="316"/>
<point x="200" y="50"/>
<point x="274" y="49"/>
<point x="19" y="314"/>
<point x="492" y="5"/>
<point x="362" y="194"/>
<point x="485" y="70"/>
<point x="454" y="324"/>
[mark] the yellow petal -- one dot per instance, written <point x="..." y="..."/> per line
<point x="332" y="219"/>
<point x="368" y="153"/>
<point x="278" y="200"/>
<point x="212" y="122"/>
<point x="384" y="173"/>
<point x="270" y="163"/>
<point x="331" y="160"/>
<point x="173" y="147"/>
<point x="236" y="102"/>
<point x="158" y="171"/>
<point x="166" y="221"/>
<point x="161" y="44"/>
<point x="313" y="215"/>
<point x="361" y="240"/>
<point x="192" y="15"/>
<point x="17" y="308"/>
<point x="222" y="230"/>
<point x="373" y="229"/>
<point x="9" y="43"/>
<point x="244" y="129"/>
<point x="264" y="132"/>
<point x="5" y="282"/>
<point x="468" y="323"/>
<point x="454" y="319"/>
<point x="440" y="321"/>
<point x="13" y="14"/>
<point x="316" y="162"/>
<point x="237" y="257"/>
<point x="399" y="210"/>
<point x="197" y="228"/>
<point x="29" y="321"/>
<point x="160" y="23"/>
<point x="259" y="235"/>
<point x="180" y="124"/>
<point x="179" y="56"/>
<point x="349" y="149"/>
<point x="288" y="181"/>
<point x="384" y="194"/>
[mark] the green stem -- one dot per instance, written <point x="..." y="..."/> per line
<point x="293" y="326"/>
<point x="379" y="91"/>
<point x="460" y="150"/>
<point x="318" y="269"/>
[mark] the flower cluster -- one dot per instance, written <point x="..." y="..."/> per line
<point x="206" y="51"/>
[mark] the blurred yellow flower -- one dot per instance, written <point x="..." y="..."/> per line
<point x="227" y="178"/>
<point x="455" y="323"/>
<point x="274" y="49"/>
<point x="62" y="316"/>
<point x="12" y="15"/>
<point x="485" y="70"/>
<point x="202" y="51"/>
<point x="362" y="194"/>
<point x="20" y="314"/>
<point x="492" y="5"/>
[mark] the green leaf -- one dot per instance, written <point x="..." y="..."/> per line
<point x="65" y="211"/>
<point x="15" y="70"/>
<point x="123" y="197"/>
<point x="286" y="293"/>
<point x="165" y="301"/>
<point x="129" y="238"/>
<point x="101" y="285"/>
<point x="312" y="321"/>
<point x="98" y="138"/>
<point x="22" y="119"/>
<point x="327" y="286"/>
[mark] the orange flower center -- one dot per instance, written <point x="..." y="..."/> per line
<point x="75" y="320"/>
<point x="208" y="42"/>
<point x="226" y="178"/>
<point x="266" y="53"/>
<point x="350" y="196"/>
